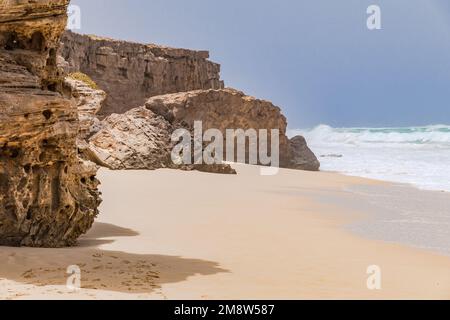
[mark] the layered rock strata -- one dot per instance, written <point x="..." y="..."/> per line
<point x="48" y="196"/>
<point x="88" y="101"/>
<point x="130" y="73"/>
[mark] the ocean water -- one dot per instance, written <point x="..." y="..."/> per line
<point x="419" y="156"/>
<point x="403" y="215"/>
<point x="415" y="155"/>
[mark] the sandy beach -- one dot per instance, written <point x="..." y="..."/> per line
<point x="188" y="235"/>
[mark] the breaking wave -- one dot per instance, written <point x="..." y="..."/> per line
<point x="414" y="155"/>
<point x="433" y="135"/>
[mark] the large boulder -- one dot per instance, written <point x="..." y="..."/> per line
<point x="48" y="196"/>
<point x="138" y="139"/>
<point x="301" y="157"/>
<point x="231" y="109"/>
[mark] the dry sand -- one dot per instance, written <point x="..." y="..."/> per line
<point x="189" y="235"/>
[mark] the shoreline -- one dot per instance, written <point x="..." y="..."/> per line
<point x="188" y="235"/>
<point x="390" y="182"/>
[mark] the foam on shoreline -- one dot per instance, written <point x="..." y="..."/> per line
<point x="415" y="155"/>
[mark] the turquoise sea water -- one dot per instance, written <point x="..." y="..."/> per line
<point x="416" y="155"/>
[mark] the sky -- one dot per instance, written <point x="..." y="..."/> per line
<point x="315" y="59"/>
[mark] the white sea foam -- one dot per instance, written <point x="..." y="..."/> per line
<point x="415" y="155"/>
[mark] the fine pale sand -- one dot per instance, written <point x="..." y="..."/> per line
<point x="189" y="235"/>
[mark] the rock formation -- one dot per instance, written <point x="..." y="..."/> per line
<point x="141" y="137"/>
<point x="130" y="73"/>
<point x="49" y="127"/>
<point x="231" y="109"/>
<point x="300" y="155"/>
<point x="179" y="82"/>
<point x="89" y="100"/>
<point x="48" y="196"/>
<point x="138" y="139"/>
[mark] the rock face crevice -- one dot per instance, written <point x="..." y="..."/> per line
<point x="48" y="195"/>
<point x="130" y="73"/>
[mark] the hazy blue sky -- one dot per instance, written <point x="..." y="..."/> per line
<point x="315" y="59"/>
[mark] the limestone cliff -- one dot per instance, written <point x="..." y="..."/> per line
<point x="130" y="73"/>
<point x="48" y="196"/>
<point x="181" y="80"/>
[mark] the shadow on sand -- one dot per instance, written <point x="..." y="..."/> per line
<point x="101" y="269"/>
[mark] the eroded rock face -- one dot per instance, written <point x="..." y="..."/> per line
<point x="48" y="196"/>
<point x="88" y="101"/>
<point x="139" y="139"/>
<point x="231" y="109"/>
<point x="130" y="73"/>
<point x="183" y="87"/>
<point x="220" y="109"/>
